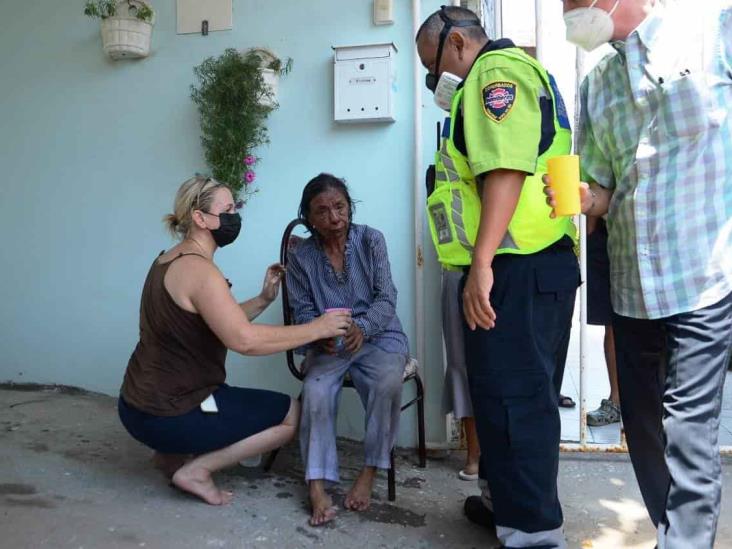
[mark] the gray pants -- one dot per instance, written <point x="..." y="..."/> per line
<point x="377" y="376"/>
<point x="671" y="373"/>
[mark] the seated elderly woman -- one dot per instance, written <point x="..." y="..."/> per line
<point x="344" y="265"/>
<point x="174" y="398"/>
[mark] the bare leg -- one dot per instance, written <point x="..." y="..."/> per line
<point x="359" y="498"/>
<point x="612" y="369"/>
<point x="195" y="476"/>
<point x="321" y="503"/>
<point x="471" y="437"/>
<point x="168" y="464"/>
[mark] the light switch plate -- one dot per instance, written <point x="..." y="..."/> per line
<point x="383" y="12"/>
<point x="191" y="13"/>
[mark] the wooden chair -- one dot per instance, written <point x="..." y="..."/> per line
<point x="411" y="372"/>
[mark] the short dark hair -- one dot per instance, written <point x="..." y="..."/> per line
<point x="319" y="184"/>
<point x="433" y="25"/>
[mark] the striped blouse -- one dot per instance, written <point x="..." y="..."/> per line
<point x="365" y="286"/>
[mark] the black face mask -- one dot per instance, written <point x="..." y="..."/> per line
<point x="430" y="81"/>
<point x="229" y="227"/>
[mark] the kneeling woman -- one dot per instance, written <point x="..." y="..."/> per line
<point x="174" y="398"/>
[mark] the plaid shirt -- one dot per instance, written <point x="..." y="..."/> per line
<point x="656" y="128"/>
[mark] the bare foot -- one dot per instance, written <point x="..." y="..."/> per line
<point x="198" y="481"/>
<point x="471" y="468"/>
<point x="321" y="503"/>
<point x="168" y="464"/>
<point x="359" y="498"/>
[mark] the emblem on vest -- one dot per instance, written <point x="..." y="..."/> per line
<point x="498" y="100"/>
<point x="442" y="225"/>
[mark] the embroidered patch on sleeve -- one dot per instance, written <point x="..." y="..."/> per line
<point x="498" y="100"/>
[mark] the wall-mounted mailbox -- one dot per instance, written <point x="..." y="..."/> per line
<point x="364" y="83"/>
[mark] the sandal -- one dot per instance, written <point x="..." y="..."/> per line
<point x="566" y="402"/>
<point x="606" y="414"/>
<point x="467" y="476"/>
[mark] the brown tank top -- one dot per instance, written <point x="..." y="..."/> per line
<point x="178" y="361"/>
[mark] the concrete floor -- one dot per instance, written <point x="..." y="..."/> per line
<point x="71" y="477"/>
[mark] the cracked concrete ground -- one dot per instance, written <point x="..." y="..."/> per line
<point x="71" y="477"/>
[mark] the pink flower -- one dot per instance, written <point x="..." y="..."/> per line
<point x="249" y="160"/>
<point x="249" y="177"/>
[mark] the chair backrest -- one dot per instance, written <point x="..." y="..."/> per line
<point x="289" y="242"/>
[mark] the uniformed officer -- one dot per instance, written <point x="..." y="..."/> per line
<point x="488" y="215"/>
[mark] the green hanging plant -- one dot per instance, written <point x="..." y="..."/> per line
<point x="234" y="103"/>
<point x="108" y="8"/>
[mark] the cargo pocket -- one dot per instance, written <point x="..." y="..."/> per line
<point x="554" y="300"/>
<point x="533" y="426"/>
<point x="509" y="383"/>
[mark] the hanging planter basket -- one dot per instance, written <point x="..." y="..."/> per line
<point x="271" y="68"/>
<point x="272" y="82"/>
<point x="126" y="37"/>
<point x="126" y="26"/>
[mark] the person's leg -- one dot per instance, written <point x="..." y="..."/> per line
<point x="168" y="464"/>
<point x="473" y="454"/>
<point x="698" y="353"/>
<point x="378" y="378"/>
<point x="563" y="401"/>
<point x="195" y="476"/>
<point x="610" y="361"/>
<point x="456" y="395"/>
<point x="511" y="372"/>
<point x="609" y="410"/>
<point x="248" y="422"/>
<point x="321" y="387"/>
<point x="640" y="351"/>
<point x="599" y="313"/>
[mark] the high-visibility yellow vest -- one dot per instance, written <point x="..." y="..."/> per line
<point x="454" y="206"/>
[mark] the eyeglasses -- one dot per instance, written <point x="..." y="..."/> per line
<point x="431" y="78"/>
<point x="200" y="190"/>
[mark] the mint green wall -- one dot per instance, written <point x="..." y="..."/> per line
<point x="92" y="152"/>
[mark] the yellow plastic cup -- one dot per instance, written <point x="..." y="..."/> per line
<point x="565" y="182"/>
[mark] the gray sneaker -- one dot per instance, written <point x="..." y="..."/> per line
<point x="607" y="413"/>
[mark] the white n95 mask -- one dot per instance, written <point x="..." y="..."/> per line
<point x="591" y="27"/>
<point x="446" y="86"/>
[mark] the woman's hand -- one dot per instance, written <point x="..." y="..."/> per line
<point x="354" y="338"/>
<point x="272" y="279"/>
<point x="332" y="324"/>
<point x="586" y="197"/>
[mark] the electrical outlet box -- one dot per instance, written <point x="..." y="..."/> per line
<point x="364" y="80"/>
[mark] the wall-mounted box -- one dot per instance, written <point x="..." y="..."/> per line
<point x="364" y="80"/>
<point x="383" y="12"/>
<point x="192" y="13"/>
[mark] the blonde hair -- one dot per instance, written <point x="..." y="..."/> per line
<point x="196" y="193"/>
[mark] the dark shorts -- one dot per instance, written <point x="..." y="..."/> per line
<point x="242" y="413"/>
<point x="599" y="308"/>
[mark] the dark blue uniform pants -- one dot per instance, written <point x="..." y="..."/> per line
<point x="510" y="371"/>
